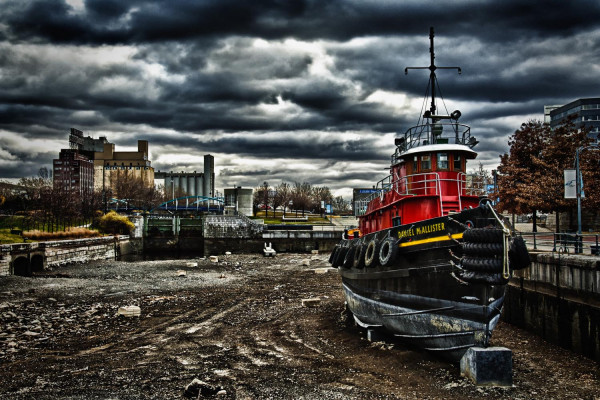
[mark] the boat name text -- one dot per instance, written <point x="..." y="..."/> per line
<point x="421" y="230"/>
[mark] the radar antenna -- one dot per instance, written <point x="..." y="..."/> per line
<point x="432" y="78"/>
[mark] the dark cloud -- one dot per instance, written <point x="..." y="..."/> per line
<point x="156" y="21"/>
<point x="306" y="81"/>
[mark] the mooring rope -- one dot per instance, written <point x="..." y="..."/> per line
<point x="506" y="236"/>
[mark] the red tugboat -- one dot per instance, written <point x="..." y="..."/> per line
<point x="432" y="259"/>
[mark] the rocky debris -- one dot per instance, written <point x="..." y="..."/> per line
<point x="198" y="389"/>
<point x="181" y="272"/>
<point x="214" y="259"/>
<point x="312" y="302"/>
<point x="247" y="332"/>
<point x="129" y="311"/>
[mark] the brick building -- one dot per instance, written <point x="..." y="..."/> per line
<point x="73" y="172"/>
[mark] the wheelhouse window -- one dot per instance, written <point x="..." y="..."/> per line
<point x="457" y="163"/>
<point x="415" y="163"/>
<point x="425" y="162"/>
<point x="442" y="161"/>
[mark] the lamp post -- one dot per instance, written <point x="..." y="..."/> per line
<point x="579" y="182"/>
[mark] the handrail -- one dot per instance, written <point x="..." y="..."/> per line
<point x="585" y="243"/>
<point x="424" y="182"/>
<point x="434" y="133"/>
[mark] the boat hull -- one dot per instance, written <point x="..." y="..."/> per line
<point x="419" y="297"/>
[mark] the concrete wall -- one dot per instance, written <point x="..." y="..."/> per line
<point x="567" y="313"/>
<point x="55" y="253"/>
<point x="231" y="227"/>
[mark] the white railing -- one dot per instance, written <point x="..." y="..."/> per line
<point x="428" y="183"/>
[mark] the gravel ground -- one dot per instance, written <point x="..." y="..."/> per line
<point x="238" y="326"/>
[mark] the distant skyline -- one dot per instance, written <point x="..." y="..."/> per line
<point x="298" y="90"/>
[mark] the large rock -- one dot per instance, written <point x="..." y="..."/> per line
<point x="198" y="389"/>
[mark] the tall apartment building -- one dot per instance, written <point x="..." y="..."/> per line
<point x="73" y="172"/>
<point x="111" y="165"/>
<point x="588" y="114"/>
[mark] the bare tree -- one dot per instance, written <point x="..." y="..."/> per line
<point x="283" y="195"/>
<point x="301" y="195"/>
<point x="320" y="195"/>
<point x="340" y="205"/>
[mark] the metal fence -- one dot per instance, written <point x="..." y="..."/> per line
<point x="572" y="243"/>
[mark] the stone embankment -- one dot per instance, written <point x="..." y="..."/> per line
<point x="558" y="298"/>
<point x="26" y="258"/>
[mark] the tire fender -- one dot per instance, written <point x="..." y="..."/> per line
<point x="359" y="256"/>
<point x="518" y="256"/>
<point x="372" y="253"/>
<point x="388" y="251"/>
<point x="349" y="257"/>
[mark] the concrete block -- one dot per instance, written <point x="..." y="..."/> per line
<point x="374" y="335"/>
<point x="312" y="302"/>
<point x="490" y="366"/>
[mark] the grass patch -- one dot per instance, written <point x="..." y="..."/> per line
<point x="7" y="238"/>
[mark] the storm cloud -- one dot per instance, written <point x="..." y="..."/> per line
<point x="300" y="90"/>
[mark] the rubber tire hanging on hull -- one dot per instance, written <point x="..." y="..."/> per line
<point x="518" y="256"/>
<point x="482" y="264"/>
<point x="388" y="251"/>
<point x="349" y="257"/>
<point x="359" y="256"/>
<point x="372" y="254"/>
<point x="334" y="253"/>
<point x="483" y="235"/>
<point x="483" y="250"/>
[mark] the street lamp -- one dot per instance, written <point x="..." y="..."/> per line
<point x="579" y="182"/>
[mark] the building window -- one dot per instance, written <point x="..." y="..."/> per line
<point x="425" y="162"/>
<point x="442" y="160"/>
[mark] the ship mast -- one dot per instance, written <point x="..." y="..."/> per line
<point x="432" y="78"/>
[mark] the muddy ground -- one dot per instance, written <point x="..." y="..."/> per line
<point x="239" y="325"/>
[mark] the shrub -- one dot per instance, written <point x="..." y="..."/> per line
<point x="115" y="224"/>
<point x="70" y="233"/>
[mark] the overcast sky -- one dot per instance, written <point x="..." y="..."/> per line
<point x="298" y="90"/>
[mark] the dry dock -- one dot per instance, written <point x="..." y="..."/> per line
<point x="240" y="325"/>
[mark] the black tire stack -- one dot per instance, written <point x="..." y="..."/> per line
<point x="483" y="256"/>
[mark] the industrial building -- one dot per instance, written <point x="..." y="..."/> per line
<point x="238" y="200"/>
<point x="180" y="184"/>
<point x="111" y="165"/>
<point x="86" y="145"/>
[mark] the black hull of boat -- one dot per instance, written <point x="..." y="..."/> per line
<point x="419" y="297"/>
